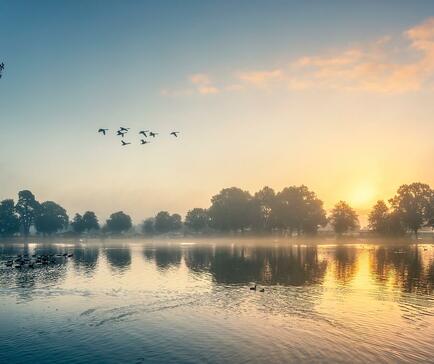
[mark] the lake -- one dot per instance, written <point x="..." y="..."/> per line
<point x="189" y="301"/>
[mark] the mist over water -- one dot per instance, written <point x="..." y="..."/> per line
<point x="189" y="301"/>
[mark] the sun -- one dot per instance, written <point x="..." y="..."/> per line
<point x="363" y="195"/>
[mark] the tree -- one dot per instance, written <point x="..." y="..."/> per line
<point x="51" y="218"/>
<point x="9" y="221"/>
<point x="343" y="218"/>
<point x="163" y="222"/>
<point x="394" y="224"/>
<point x="266" y="201"/>
<point x="197" y="219"/>
<point x="231" y="210"/>
<point x="413" y="204"/>
<point x="383" y="221"/>
<point x="298" y="209"/>
<point x="314" y="214"/>
<point x="379" y="218"/>
<point x="26" y="207"/>
<point x="77" y="224"/>
<point x="175" y="222"/>
<point x="148" y="226"/>
<point x="87" y="222"/>
<point x="119" y="222"/>
<point x="431" y="212"/>
<point x="90" y="221"/>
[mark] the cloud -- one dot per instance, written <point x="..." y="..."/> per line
<point x="200" y="79"/>
<point x="376" y="67"/>
<point x="386" y="65"/>
<point x="201" y="84"/>
<point x="260" y="77"/>
<point x="207" y="89"/>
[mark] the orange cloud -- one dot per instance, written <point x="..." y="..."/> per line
<point x="200" y="79"/>
<point x="260" y="77"/>
<point x="385" y="66"/>
<point x="202" y="85"/>
<point x="374" y="67"/>
<point x="205" y="90"/>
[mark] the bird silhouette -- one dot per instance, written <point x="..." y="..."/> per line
<point x="124" y="129"/>
<point x="175" y="133"/>
<point x="253" y="288"/>
<point x="124" y="143"/>
<point x="102" y="131"/>
<point x="2" y="66"/>
<point x="142" y="141"/>
<point x="120" y="133"/>
<point x="143" y="132"/>
<point x="152" y="134"/>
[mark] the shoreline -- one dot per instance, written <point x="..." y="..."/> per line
<point x="225" y="240"/>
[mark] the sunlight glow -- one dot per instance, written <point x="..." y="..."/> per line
<point x="363" y="195"/>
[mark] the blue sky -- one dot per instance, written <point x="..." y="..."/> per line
<point x="72" y="67"/>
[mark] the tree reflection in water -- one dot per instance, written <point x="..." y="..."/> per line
<point x="265" y="265"/>
<point x="405" y="267"/>
<point x="410" y="269"/>
<point x="118" y="256"/>
<point x="345" y="263"/>
<point x="85" y="258"/>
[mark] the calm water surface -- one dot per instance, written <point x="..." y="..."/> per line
<point x="188" y="302"/>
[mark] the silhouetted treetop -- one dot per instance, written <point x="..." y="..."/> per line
<point x="298" y="209"/>
<point x="413" y="204"/>
<point x="164" y="222"/>
<point x="343" y="218"/>
<point x="51" y="218"/>
<point x="232" y="209"/>
<point x="27" y="208"/>
<point x="90" y="221"/>
<point x="119" y="222"/>
<point x="197" y="219"/>
<point x="9" y="221"/>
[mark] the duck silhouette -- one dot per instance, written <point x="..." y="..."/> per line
<point x="124" y="143"/>
<point x="253" y="288"/>
<point x="103" y="131"/>
<point x="152" y="134"/>
<point x="175" y="133"/>
<point x="119" y="132"/>
<point x="124" y="129"/>
<point x="143" y="132"/>
<point x="142" y="141"/>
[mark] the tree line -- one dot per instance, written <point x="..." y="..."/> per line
<point x="294" y="210"/>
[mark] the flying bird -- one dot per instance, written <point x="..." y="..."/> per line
<point x="2" y="66"/>
<point x="120" y="133"/>
<point x="175" y="133"/>
<point x="124" y="129"/>
<point x="143" y="132"/>
<point x="124" y="143"/>
<point x="142" y="141"/>
<point x="152" y="134"/>
<point x="102" y="131"/>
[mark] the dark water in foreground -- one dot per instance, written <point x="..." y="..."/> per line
<point x="134" y="302"/>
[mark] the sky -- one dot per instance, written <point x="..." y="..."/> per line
<point x="336" y="95"/>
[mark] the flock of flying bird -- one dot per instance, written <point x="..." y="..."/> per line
<point x="122" y="131"/>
